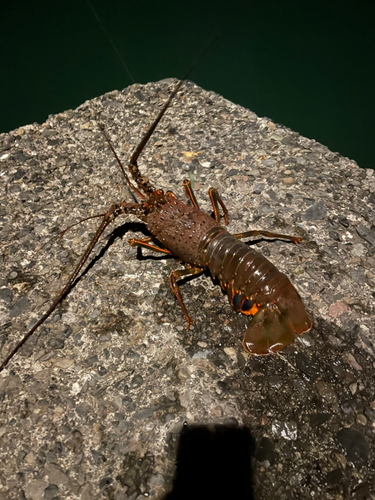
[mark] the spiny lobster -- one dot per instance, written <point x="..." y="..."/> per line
<point x="254" y="286"/>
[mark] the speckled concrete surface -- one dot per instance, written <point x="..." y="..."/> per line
<point x="93" y="405"/>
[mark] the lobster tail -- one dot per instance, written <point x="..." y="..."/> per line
<point x="268" y="332"/>
<point x="290" y="304"/>
<point x="274" y="326"/>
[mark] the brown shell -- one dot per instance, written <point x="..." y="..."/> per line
<point x="180" y="228"/>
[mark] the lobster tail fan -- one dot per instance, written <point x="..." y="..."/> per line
<point x="268" y="332"/>
<point x="291" y="306"/>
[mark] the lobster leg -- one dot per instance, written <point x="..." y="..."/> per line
<point x="247" y="234"/>
<point x="216" y="201"/>
<point x="176" y="290"/>
<point x="190" y="192"/>
<point x="146" y="244"/>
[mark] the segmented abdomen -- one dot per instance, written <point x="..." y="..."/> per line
<point x="245" y="274"/>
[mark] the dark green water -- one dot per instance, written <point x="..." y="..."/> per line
<point x="308" y="65"/>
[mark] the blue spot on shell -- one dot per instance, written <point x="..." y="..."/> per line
<point x="237" y="299"/>
<point x="247" y="305"/>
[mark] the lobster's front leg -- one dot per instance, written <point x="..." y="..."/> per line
<point x="190" y="192"/>
<point x="176" y="290"/>
<point x="216" y="201"/>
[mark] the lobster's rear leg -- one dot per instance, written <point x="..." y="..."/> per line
<point x="174" y="276"/>
<point x="175" y="289"/>
<point x="247" y="234"/>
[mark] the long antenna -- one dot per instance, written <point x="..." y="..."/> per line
<point x="114" y="47"/>
<point x="204" y="52"/>
<point x="113" y="212"/>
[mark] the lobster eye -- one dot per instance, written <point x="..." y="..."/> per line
<point x="247" y="305"/>
<point x="236" y="302"/>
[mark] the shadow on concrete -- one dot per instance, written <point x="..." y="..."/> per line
<point x="213" y="461"/>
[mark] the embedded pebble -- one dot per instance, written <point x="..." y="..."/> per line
<point x="51" y="492"/>
<point x="327" y="393"/>
<point x="157" y="480"/>
<point x="367" y="234"/>
<point x="258" y="188"/>
<point x="306" y="366"/>
<point x="269" y="162"/>
<point x="202" y="354"/>
<point x="19" y="307"/>
<point x="370" y="414"/>
<point x="355" y="446"/>
<point x="265" y="453"/>
<point x="55" y="475"/>
<point x="351" y="361"/>
<point x="306" y="339"/>
<point x="229" y="351"/>
<point x="6" y="294"/>
<point x="336" y="309"/>
<point x="137" y="381"/>
<point x="286" y="430"/>
<point x="349" y="406"/>
<point x="317" y="211"/>
<point x="317" y="419"/>
<point x="56" y="343"/>
<point x="358" y="250"/>
<point x="288" y="181"/>
<point x="35" y="489"/>
<point x="183" y="373"/>
<point x="275" y="381"/>
<point x="361" y="419"/>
